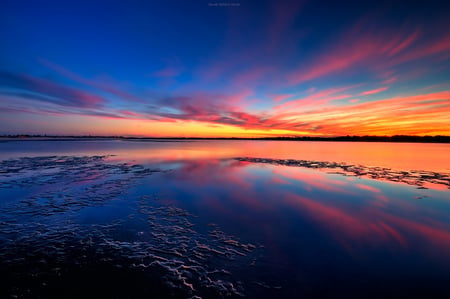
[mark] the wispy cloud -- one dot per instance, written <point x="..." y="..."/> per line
<point x="316" y="98"/>
<point x="104" y="86"/>
<point x="48" y="91"/>
<point x="373" y="48"/>
<point x="373" y="91"/>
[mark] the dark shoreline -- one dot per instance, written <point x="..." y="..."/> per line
<point x="395" y="138"/>
<point x="411" y="177"/>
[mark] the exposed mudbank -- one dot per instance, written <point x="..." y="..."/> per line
<point x="156" y="250"/>
<point x="420" y="178"/>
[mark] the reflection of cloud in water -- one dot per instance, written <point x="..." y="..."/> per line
<point x="371" y="221"/>
<point x="354" y="213"/>
<point x="157" y="240"/>
<point x="422" y="179"/>
<point x="135" y="222"/>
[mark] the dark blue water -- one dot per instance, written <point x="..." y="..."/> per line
<point x="177" y="221"/>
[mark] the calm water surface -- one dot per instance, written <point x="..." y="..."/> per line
<point x="185" y="219"/>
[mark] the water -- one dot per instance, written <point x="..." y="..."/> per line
<point x="212" y="219"/>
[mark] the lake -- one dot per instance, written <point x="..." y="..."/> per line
<point x="224" y="219"/>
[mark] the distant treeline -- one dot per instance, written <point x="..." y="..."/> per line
<point x="395" y="138"/>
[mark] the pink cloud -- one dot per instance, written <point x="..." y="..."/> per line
<point x="373" y="91"/>
<point x="390" y="80"/>
<point x="437" y="46"/>
<point x="418" y="114"/>
<point x="281" y="97"/>
<point x="49" y="91"/>
<point x="326" y="65"/>
<point x="369" y="47"/>
<point x="318" y="98"/>
<point x="104" y="86"/>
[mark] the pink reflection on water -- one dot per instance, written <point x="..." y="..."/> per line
<point x="374" y="227"/>
<point x="313" y="180"/>
<point x="399" y="156"/>
<point x="367" y="187"/>
<point x="352" y="213"/>
<point x="372" y="224"/>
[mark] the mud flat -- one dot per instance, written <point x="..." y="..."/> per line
<point x="155" y="250"/>
<point x="420" y="178"/>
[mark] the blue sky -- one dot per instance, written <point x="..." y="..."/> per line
<point x="225" y="68"/>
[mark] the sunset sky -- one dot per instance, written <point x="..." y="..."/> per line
<point x="225" y="68"/>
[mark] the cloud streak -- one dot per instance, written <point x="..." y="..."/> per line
<point x="48" y="91"/>
<point x="270" y="70"/>
<point x="319" y="112"/>
<point x="102" y="86"/>
<point x="374" y="48"/>
<point x="373" y="91"/>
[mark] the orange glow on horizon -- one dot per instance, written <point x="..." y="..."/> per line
<point x="321" y="114"/>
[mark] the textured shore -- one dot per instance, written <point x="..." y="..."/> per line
<point x="420" y="178"/>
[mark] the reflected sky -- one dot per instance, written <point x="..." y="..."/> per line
<point x="353" y="209"/>
<point x="317" y="226"/>
<point x="400" y="156"/>
<point x="320" y="233"/>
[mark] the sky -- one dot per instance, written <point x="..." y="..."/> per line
<point x="237" y="68"/>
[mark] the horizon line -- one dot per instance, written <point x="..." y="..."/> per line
<point x="370" y="138"/>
